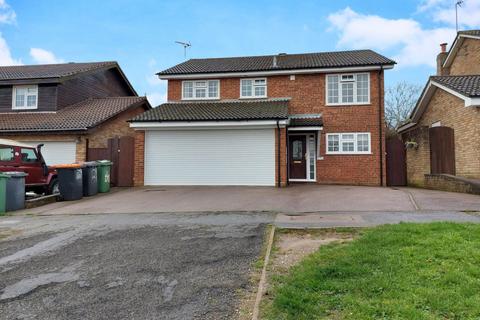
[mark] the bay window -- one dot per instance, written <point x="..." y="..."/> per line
<point x="348" y="89"/>
<point x="348" y="143"/>
<point x="198" y="90"/>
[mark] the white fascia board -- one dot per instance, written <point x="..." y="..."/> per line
<point x="405" y="127"/>
<point x="468" y="101"/>
<point x="453" y="50"/>
<point x="305" y="128"/>
<point x="186" y="125"/>
<point x="270" y="73"/>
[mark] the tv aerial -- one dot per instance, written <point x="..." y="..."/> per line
<point x="185" y="45"/>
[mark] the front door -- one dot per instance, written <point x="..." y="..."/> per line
<point x="297" y="152"/>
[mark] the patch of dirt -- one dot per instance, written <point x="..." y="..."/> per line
<point x="292" y="247"/>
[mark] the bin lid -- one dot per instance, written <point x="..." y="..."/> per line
<point x="104" y="162"/>
<point x="15" y="174"/>
<point x="90" y="164"/>
<point x="67" y="166"/>
<point x="3" y="175"/>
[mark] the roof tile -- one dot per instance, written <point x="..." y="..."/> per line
<point x="466" y="85"/>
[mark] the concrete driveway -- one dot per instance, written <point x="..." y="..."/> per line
<point x="294" y="199"/>
<point x="121" y="266"/>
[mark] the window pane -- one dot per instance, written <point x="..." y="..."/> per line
<point x="348" y="146"/>
<point x="200" y="84"/>
<point x="6" y="154"/>
<point x="259" y="91"/>
<point x="347" y="92"/>
<point x="20" y="101"/>
<point x="362" y="88"/>
<point x="347" y="136"/>
<point x="311" y="146"/>
<point x="28" y="155"/>
<point x="246" y="88"/>
<point x="188" y="89"/>
<point x="31" y="101"/>
<point x="259" y="81"/>
<point x="213" y="89"/>
<point x="332" y="89"/>
<point x="363" y="144"/>
<point x="200" y="92"/>
<point x="297" y="150"/>
<point x="333" y="143"/>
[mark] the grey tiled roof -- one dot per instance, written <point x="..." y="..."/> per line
<point x="47" y="71"/>
<point x="337" y="59"/>
<point x="217" y="110"/>
<point x="470" y="32"/>
<point x="467" y="85"/>
<point x="306" y="122"/>
<point x="78" y="117"/>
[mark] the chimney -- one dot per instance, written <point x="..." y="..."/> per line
<point x="441" y="59"/>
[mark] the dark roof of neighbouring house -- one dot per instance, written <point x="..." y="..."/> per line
<point x="49" y="71"/>
<point x="470" y="32"/>
<point x="306" y="122"/>
<point x="466" y="85"/>
<point x="224" y="110"/>
<point x="77" y="117"/>
<point x="319" y="60"/>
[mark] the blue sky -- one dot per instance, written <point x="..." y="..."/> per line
<point x="140" y="35"/>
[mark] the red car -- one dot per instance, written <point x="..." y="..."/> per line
<point x="18" y="156"/>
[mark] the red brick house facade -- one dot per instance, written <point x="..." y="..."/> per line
<point x="325" y="133"/>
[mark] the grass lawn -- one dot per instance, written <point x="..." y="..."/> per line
<point x="404" y="271"/>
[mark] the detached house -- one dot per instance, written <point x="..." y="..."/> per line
<point x="443" y="133"/>
<point x="71" y="108"/>
<point x="266" y="121"/>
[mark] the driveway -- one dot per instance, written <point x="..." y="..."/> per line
<point x="294" y="199"/>
<point x="143" y="266"/>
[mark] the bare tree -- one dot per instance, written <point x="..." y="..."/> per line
<point x="399" y="102"/>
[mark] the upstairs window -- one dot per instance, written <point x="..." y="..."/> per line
<point x="197" y="90"/>
<point x="253" y="88"/>
<point x="347" y="89"/>
<point x="25" y="97"/>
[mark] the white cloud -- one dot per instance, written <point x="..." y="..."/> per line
<point x="6" y="58"/>
<point x="153" y="80"/>
<point x="156" y="98"/>
<point x="468" y="13"/>
<point x="7" y="14"/>
<point x="415" y="45"/>
<point x="43" y="56"/>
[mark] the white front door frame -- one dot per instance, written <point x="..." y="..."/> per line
<point x="307" y="165"/>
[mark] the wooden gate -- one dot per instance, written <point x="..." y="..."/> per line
<point x="396" y="162"/>
<point x="442" y="150"/>
<point x="121" y="152"/>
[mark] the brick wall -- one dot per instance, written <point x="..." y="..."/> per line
<point x="283" y="157"/>
<point x="451" y="112"/>
<point x="307" y="93"/>
<point x="139" y="160"/>
<point x="467" y="60"/>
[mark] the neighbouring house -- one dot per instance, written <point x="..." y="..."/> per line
<point x="71" y="108"/>
<point x="266" y="121"/>
<point x="443" y="133"/>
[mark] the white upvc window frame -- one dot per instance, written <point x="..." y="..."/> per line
<point x="342" y="140"/>
<point x="25" y="97"/>
<point x="253" y="96"/>
<point x="355" y="86"/>
<point x="196" y="86"/>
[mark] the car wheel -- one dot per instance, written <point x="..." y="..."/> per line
<point x="53" y="187"/>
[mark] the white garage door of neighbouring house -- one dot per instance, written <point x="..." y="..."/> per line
<point x="210" y="157"/>
<point x="57" y="152"/>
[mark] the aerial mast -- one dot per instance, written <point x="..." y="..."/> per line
<point x="185" y="45"/>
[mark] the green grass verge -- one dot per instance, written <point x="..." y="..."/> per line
<point x="404" y="271"/>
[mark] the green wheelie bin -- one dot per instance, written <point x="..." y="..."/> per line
<point x="103" y="175"/>
<point x="3" y="193"/>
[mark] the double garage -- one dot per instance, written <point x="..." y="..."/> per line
<point x="220" y="143"/>
<point x="210" y="157"/>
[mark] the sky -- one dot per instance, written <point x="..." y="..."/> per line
<point x="141" y="34"/>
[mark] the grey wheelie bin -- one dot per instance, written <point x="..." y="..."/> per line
<point x="15" y="190"/>
<point x="90" y="183"/>
<point x="70" y="181"/>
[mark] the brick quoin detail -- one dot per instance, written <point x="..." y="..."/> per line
<point x="307" y="93"/>
<point x="139" y="159"/>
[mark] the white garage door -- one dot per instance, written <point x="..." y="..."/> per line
<point x="210" y="157"/>
<point x="57" y="152"/>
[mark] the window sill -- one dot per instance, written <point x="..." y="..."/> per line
<point x="199" y="99"/>
<point x="250" y="98"/>
<point x="347" y="104"/>
<point x="25" y="108"/>
<point x="348" y="153"/>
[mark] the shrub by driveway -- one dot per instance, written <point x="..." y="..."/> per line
<point x="405" y="271"/>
